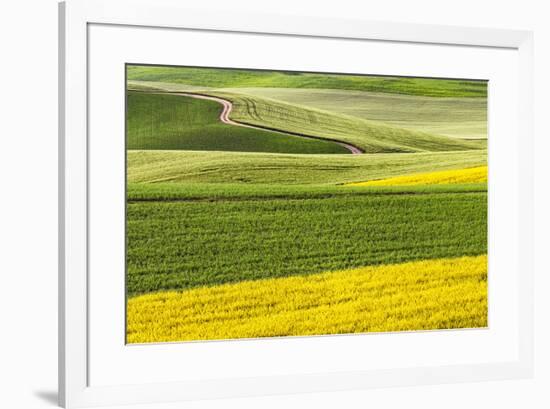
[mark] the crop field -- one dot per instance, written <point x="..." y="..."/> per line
<point x="233" y="78"/>
<point x="370" y="136"/>
<point x="433" y="294"/>
<point x="160" y="122"/>
<point x="294" y="236"/>
<point x="468" y="175"/>
<point x="274" y="170"/>
<point x="265" y="204"/>
<point x="450" y="116"/>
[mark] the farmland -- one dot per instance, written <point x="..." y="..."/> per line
<point x="371" y="136"/>
<point x="274" y="170"/>
<point x="434" y="294"/>
<point x="454" y="176"/>
<point x="161" y="122"/>
<point x="295" y="237"/>
<point x="449" y="116"/>
<point x="234" y="78"/>
<point x="278" y="229"/>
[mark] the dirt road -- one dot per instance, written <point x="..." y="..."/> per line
<point x="228" y="107"/>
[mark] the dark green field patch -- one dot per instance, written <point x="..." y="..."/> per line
<point x="171" y="122"/>
<point x="173" y="191"/>
<point x="185" y="244"/>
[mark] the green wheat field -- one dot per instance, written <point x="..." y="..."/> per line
<point x="268" y="203"/>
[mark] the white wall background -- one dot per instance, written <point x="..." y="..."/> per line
<point x="28" y="203"/>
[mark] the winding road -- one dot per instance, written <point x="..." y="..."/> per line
<point x="228" y="107"/>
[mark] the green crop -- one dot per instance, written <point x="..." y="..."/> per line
<point x="447" y="116"/>
<point x="234" y="78"/>
<point x="263" y="168"/>
<point x="158" y="122"/>
<point x="183" y="244"/>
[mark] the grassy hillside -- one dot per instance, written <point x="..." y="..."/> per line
<point x="178" y="245"/>
<point x="176" y="122"/>
<point x="372" y="137"/>
<point x="235" y="232"/>
<point x="455" y="117"/>
<point x="257" y="168"/>
<point x="233" y="78"/>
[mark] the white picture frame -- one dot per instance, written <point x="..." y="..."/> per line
<point x="76" y="18"/>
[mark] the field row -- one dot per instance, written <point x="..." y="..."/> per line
<point x="263" y="168"/>
<point x="455" y="117"/>
<point x="235" y="78"/>
<point x="212" y="192"/>
<point x="179" y="245"/>
<point x="434" y="294"/>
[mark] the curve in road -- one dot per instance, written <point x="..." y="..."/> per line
<point x="228" y="107"/>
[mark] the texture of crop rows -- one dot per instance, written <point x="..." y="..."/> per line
<point x="434" y="294"/>
<point x="449" y="116"/>
<point x="372" y="137"/>
<point x="258" y="168"/>
<point x="184" y="244"/>
<point x="160" y="122"/>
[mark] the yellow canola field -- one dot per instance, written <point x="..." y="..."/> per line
<point x="469" y="175"/>
<point x="421" y="295"/>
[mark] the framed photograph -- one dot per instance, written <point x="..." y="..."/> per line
<point x="263" y="204"/>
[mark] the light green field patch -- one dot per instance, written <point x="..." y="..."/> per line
<point x="371" y="136"/>
<point x="164" y="86"/>
<point x="454" y="117"/>
<point x="237" y="78"/>
<point x="241" y="167"/>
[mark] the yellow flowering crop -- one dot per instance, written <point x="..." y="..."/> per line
<point x="420" y="295"/>
<point x="469" y="175"/>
